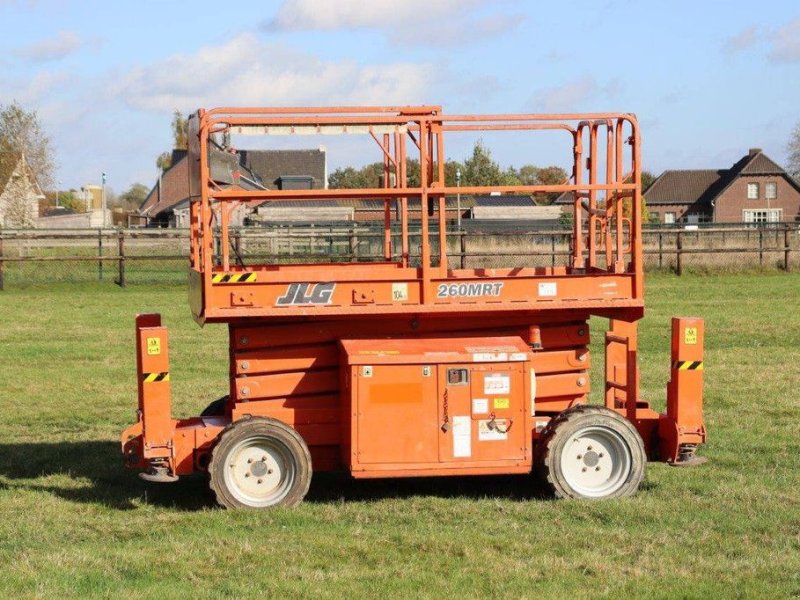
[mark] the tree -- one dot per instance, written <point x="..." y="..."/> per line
<point x="793" y="164"/>
<point x="132" y="198"/>
<point x="480" y="169"/>
<point x="647" y="180"/>
<point x="22" y="133"/>
<point x="180" y="140"/>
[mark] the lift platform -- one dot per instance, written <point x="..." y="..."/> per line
<point x="380" y="367"/>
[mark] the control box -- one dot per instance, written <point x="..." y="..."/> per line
<point x="440" y="406"/>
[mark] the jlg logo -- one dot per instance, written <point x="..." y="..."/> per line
<point x="307" y="293"/>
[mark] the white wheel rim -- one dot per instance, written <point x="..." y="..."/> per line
<point x="596" y="461"/>
<point x="259" y="471"/>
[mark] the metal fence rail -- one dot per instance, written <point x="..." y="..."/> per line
<point x="160" y="255"/>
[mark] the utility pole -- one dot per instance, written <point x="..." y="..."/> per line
<point x="458" y="198"/>
<point x="103" y="199"/>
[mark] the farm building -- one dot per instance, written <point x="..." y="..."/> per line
<point x="19" y="192"/>
<point x="513" y="207"/>
<point x="167" y="204"/>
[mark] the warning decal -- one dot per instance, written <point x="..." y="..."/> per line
<point x="497" y="383"/>
<point x="688" y="365"/>
<point x="462" y="437"/>
<point x="690" y="336"/>
<point x="500" y="403"/>
<point x="495" y="430"/>
<point x="155" y="377"/>
<point x="153" y="346"/>
<point x="234" y="278"/>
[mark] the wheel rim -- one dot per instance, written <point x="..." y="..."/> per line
<point x="259" y="471"/>
<point x="596" y="461"/>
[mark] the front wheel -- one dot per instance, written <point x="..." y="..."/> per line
<point x="260" y="463"/>
<point x="591" y="452"/>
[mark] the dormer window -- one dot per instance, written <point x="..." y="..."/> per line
<point x="752" y="191"/>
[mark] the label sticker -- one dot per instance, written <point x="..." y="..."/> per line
<point x="462" y="437"/>
<point x="399" y="292"/>
<point x="153" y="346"/>
<point x="690" y="336"/>
<point x="548" y="289"/>
<point x="501" y="403"/>
<point x="517" y="356"/>
<point x="498" y="383"/>
<point x="480" y="406"/>
<point x="490" y="357"/>
<point x="540" y="425"/>
<point x="496" y="432"/>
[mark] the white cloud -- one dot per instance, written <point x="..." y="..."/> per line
<point x="294" y="15"/>
<point x="248" y="72"/>
<point x="61" y="45"/>
<point x="566" y="97"/>
<point x="429" y="22"/>
<point x="742" y="40"/>
<point x="785" y="43"/>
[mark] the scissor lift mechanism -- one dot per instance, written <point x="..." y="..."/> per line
<point x="299" y="332"/>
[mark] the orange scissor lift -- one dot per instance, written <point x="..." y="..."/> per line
<point x="407" y="366"/>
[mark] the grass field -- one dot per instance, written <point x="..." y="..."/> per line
<point x="73" y="522"/>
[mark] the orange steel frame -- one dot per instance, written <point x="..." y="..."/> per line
<point x="283" y="361"/>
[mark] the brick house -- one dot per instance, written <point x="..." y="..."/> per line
<point x="167" y="204"/>
<point x="19" y="192"/>
<point x="754" y="190"/>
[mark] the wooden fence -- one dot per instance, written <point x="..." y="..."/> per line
<point x="151" y="255"/>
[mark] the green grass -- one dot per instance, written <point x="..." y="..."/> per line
<point x="73" y="522"/>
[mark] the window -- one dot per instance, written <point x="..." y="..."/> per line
<point x="752" y="191"/>
<point x="769" y="215"/>
<point x="771" y="190"/>
<point x="669" y="218"/>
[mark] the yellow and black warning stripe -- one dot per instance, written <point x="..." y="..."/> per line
<point x="153" y="377"/>
<point x="234" y="278"/>
<point x="688" y="365"/>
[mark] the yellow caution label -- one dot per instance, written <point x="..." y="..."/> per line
<point x="688" y="365"/>
<point x="155" y="377"/>
<point x="690" y="336"/>
<point x="153" y="346"/>
<point x="234" y="278"/>
<point x="501" y="403"/>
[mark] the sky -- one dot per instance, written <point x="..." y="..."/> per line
<point x="707" y="79"/>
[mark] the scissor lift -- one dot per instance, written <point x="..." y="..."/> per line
<point x="408" y="365"/>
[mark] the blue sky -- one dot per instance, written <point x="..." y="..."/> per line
<point x="708" y="79"/>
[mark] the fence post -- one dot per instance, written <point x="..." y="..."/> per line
<point x="1" y="264"/>
<point x="121" y="254"/>
<point x="237" y="244"/>
<point x="679" y="254"/>
<point x="786" y="248"/>
<point x="100" y="254"/>
<point x="760" y="247"/>
<point x="553" y="250"/>
<point x="660" y="249"/>
<point x="463" y="246"/>
<point x="353" y="246"/>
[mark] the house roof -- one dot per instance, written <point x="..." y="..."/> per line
<point x="686" y="186"/>
<point x="271" y="165"/>
<point x="506" y="200"/>
<point x="8" y="162"/>
<point x="262" y="166"/>
<point x="701" y="186"/>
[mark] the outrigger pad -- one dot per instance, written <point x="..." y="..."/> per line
<point x="158" y="475"/>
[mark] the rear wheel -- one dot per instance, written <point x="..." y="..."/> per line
<point x="591" y="452"/>
<point x="259" y="463"/>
